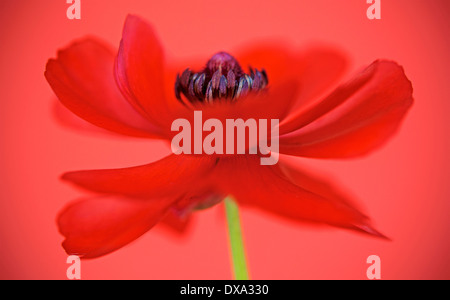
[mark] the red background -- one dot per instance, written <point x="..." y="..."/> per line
<point x="403" y="187"/>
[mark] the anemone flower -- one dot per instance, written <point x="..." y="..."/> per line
<point x="135" y="92"/>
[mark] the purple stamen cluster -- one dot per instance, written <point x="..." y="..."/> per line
<point x="222" y="78"/>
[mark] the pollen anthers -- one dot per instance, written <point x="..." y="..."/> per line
<point x="222" y="78"/>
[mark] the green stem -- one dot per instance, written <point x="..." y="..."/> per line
<point x="235" y="240"/>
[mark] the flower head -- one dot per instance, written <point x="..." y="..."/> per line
<point x="134" y="92"/>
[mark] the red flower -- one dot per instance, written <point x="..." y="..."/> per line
<point x="133" y="94"/>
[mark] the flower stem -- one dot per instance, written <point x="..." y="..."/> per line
<point x="235" y="239"/>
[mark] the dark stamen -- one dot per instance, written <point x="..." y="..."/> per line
<point x="222" y="78"/>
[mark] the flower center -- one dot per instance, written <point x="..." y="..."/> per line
<point x="222" y="78"/>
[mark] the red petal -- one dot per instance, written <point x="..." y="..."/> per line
<point x="270" y="188"/>
<point x="68" y="119"/>
<point x="83" y="80"/>
<point x="177" y="223"/>
<point x="315" y="68"/>
<point x="303" y="117"/>
<point x="97" y="226"/>
<point x="326" y="189"/>
<point x="140" y="70"/>
<point x="274" y="57"/>
<point x="318" y="70"/>
<point x="357" y="118"/>
<point x="173" y="175"/>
